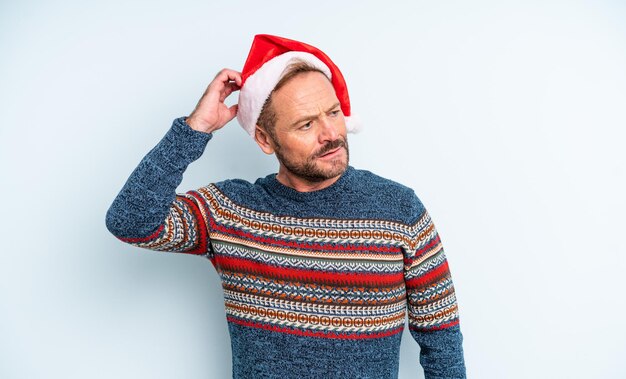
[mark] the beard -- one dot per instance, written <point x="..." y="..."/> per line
<point x="310" y="169"/>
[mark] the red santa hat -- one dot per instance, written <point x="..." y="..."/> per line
<point x="268" y="58"/>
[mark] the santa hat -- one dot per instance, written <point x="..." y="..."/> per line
<point x="268" y="58"/>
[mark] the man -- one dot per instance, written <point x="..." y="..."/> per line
<point x="318" y="262"/>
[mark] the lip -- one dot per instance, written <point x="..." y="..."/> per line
<point x="331" y="153"/>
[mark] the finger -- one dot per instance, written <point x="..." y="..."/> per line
<point x="235" y="86"/>
<point x="234" y="76"/>
<point x="226" y="75"/>
<point x="239" y="79"/>
<point x="222" y="86"/>
<point x="232" y="111"/>
<point x="229" y="88"/>
<point x="223" y="78"/>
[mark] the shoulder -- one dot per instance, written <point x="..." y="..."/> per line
<point x="371" y="179"/>
<point x="251" y="195"/>
<point x="394" y="197"/>
<point x="240" y="191"/>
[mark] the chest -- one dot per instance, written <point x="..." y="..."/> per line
<point x="316" y="275"/>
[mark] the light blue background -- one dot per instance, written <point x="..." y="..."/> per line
<point x="507" y="118"/>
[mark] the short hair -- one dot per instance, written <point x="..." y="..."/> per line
<point x="267" y="118"/>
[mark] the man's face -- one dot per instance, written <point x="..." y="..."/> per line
<point x="310" y="132"/>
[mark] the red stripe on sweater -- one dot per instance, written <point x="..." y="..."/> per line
<point x="292" y="273"/>
<point x="310" y="333"/>
<point x="438" y="327"/>
<point x="426" y="248"/>
<point x="201" y="247"/>
<point x="143" y="239"/>
<point x="428" y="277"/>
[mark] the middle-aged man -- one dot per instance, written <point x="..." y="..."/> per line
<point x="319" y="262"/>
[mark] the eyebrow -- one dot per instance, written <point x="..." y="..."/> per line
<point x="313" y="117"/>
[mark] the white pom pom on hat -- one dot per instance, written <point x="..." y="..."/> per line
<point x="266" y="63"/>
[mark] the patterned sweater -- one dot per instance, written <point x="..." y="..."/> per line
<point x="316" y="284"/>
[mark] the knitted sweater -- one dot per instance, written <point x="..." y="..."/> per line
<point x="316" y="284"/>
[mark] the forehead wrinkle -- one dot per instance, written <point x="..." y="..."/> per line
<point x="300" y="99"/>
<point x="305" y="101"/>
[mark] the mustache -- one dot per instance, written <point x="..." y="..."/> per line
<point x="331" y="146"/>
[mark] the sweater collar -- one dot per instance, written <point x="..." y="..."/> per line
<point x="281" y="190"/>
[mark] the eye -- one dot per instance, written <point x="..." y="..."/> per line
<point x="335" y="113"/>
<point x="306" y="126"/>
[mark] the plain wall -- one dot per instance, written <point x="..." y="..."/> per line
<point x="507" y="119"/>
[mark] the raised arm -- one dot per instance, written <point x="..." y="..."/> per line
<point x="432" y="305"/>
<point x="148" y="212"/>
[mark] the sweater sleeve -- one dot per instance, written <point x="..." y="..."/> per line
<point x="432" y="304"/>
<point x="148" y="212"/>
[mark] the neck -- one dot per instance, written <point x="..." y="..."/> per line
<point x="301" y="184"/>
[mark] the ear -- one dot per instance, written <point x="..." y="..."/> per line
<point x="264" y="141"/>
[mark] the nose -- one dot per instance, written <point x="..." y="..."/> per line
<point x="329" y="129"/>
